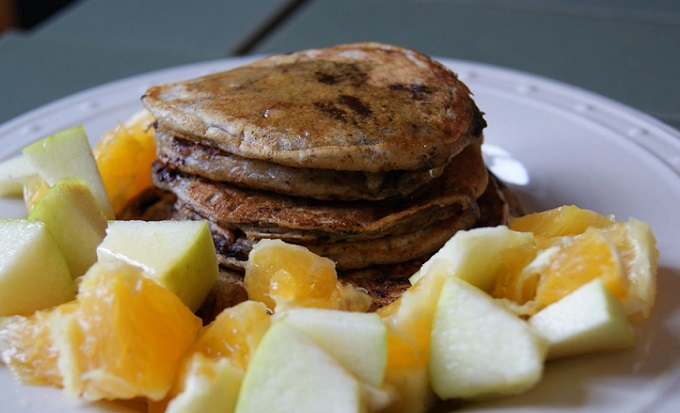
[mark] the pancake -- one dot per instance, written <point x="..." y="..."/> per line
<point x="298" y="218"/>
<point x="220" y="166"/>
<point x="359" y="107"/>
<point x="234" y="245"/>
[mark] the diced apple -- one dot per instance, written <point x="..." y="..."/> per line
<point x="479" y="348"/>
<point x="13" y="173"/>
<point x="291" y="373"/>
<point x="33" y="272"/>
<point x="589" y="319"/>
<point x="473" y="255"/>
<point x="74" y="219"/>
<point x="210" y="386"/>
<point x="68" y="154"/>
<point x="358" y="341"/>
<point x="179" y="255"/>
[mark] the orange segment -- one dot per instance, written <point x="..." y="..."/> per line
<point x="34" y="188"/>
<point x="409" y="320"/>
<point x="579" y="260"/>
<point x="126" y="338"/>
<point x="577" y="246"/>
<point x="124" y="156"/>
<point x="235" y="333"/>
<point x="283" y="275"/>
<point x="561" y="221"/>
<point x="27" y="346"/>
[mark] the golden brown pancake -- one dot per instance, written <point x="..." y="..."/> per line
<point x="269" y="215"/>
<point x="234" y="245"/>
<point x="358" y="107"/>
<point x="216" y="165"/>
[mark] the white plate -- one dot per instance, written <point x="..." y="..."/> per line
<point x="556" y="145"/>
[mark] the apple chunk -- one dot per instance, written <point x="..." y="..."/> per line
<point x="179" y="255"/>
<point x="13" y="173"/>
<point x="476" y="255"/>
<point x="68" y="154"/>
<point x="210" y="386"/>
<point x="587" y="320"/>
<point x="479" y="348"/>
<point x="75" y="221"/>
<point x="33" y="272"/>
<point x="291" y="373"/>
<point x="358" y="341"/>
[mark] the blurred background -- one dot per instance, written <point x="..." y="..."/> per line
<point x="627" y="50"/>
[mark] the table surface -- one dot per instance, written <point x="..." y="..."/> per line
<point x="627" y="50"/>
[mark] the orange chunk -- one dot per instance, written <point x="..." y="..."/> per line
<point x="409" y="320"/>
<point x="283" y="275"/>
<point x="561" y="221"/>
<point x="124" y="156"/>
<point x="576" y="246"/>
<point x="127" y="337"/>
<point x="579" y="260"/>
<point x="28" y="348"/>
<point x="235" y="333"/>
<point x="34" y="188"/>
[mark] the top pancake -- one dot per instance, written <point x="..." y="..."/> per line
<point x="359" y="107"/>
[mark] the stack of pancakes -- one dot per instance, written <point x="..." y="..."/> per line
<point x="366" y="153"/>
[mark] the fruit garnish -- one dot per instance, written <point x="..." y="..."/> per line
<point x="212" y="368"/>
<point x="67" y="154"/>
<point x="406" y="318"/>
<point x="72" y="216"/>
<point x="179" y="255"/>
<point x="126" y="338"/>
<point x="34" y="188"/>
<point x="27" y="345"/>
<point x="560" y="221"/>
<point x="283" y="275"/>
<point x="34" y="274"/>
<point x="122" y="338"/>
<point x="576" y="247"/>
<point x="124" y="156"/>
<point x="235" y="333"/>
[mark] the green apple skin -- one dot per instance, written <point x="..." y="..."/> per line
<point x="74" y="219"/>
<point x="472" y="255"/>
<point x="68" y="154"/>
<point x="289" y="372"/>
<point x="13" y="173"/>
<point x="179" y="255"/>
<point x="358" y="341"/>
<point x="33" y="272"/>
<point x="479" y="349"/>
<point x="588" y="320"/>
<point x="215" y="391"/>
